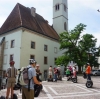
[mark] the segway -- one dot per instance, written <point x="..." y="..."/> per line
<point x="2" y="97"/>
<point x="50" y="79"/>
<point x="59" y="78"/>
<point x="74" y="79"/>
<point x="14" y="97"/>
<point x="89" y="83"/>
<point x="37" y="89"/>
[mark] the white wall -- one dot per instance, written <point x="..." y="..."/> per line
<point x="39" y="52"/>
<point x="60" y="16"/>
<point x="14" y="35"/>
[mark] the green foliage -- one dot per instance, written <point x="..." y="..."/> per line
<point x="77" y="46"/>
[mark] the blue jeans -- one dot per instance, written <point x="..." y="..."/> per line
<point x="55" y="77"/>
<point x="88" y="77"/>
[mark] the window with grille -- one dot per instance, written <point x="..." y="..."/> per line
<point x="32" y="45"/>
<point x="11" y="57"/>
<point x="45" y="48"/>
<point x="12" y="43"/>
<point x="45" y="60"/>
<point x="32" y="57"/>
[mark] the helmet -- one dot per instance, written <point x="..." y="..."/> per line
<point x="38" y="65"/>
<point x="32" y="61"/>
<point x="88" y="63"/>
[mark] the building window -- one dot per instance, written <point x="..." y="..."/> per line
<point x="45" y="60"/>
<point x="6" y="44"/>
<point x="45" y="48"/>
<point x="57" y="7"/>
<point x="12" y="43"/>
<point x="32" y="57"/>
<point x="32" y="44"/>
<point x="64" y="7"/>
<point x="65" y="26"/>
<point x="5" y="59"/>
<point x="55" y="49"/>
<point x="11" y="57"/>
<point x="55" y="61"/>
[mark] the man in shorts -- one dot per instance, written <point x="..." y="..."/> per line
<point x="11" y="79"/>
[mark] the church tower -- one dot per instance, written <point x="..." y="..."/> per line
<point x="60" y="15"/>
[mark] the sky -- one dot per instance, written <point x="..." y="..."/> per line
<point x="79" y="11"/>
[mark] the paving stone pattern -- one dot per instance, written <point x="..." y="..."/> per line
<point x="67" y="90"/>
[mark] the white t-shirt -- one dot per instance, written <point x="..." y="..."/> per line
<point x="50" y="69"/>
<point x="74" y="70"/>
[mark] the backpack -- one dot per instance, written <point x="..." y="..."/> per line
<point x="23" y="78"/>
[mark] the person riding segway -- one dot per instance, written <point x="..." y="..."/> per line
<point x="74" y="78"/>
<point x="89" y="82"/>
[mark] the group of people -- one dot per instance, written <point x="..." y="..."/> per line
<point x="32" y="73"/>
<point x="56" y="71"/>
<point x="71" y="72"/>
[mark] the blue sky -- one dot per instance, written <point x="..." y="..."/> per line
<point x="79" y="11"/>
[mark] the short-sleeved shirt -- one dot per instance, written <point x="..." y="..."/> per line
<point x="88" y="70"/>
<point x="67" y="71"/>
<point x="11" y="72"/>
<point x="31" y="74"/>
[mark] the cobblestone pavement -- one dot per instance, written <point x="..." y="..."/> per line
<point x="67" y="90"/>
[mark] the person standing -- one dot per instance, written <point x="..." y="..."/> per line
<point x="50" y="72"/>
<point x="55" y="73"/>
<point x="29" y="94"/>
<point x="11" y="79"/>
<point x="38" y="73"/>
<point x="88" y="71"/>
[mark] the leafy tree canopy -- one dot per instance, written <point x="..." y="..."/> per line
<point x="78" y="48"/>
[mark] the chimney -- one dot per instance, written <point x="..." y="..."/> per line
<point x="33" y="11"/>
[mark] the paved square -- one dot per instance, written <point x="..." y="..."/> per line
<point x="67" y="90"/>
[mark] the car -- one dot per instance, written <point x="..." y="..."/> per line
<point x="96" y="72"/>
<point x="92" y="71"/>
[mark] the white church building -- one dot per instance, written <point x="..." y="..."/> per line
<point x="25" y="34"/>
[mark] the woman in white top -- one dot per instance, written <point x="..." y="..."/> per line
<point x="74" y="71"/>
<point x="50" y="72"/>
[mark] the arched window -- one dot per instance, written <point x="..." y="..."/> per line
<point x="64" y="7"/>
<point x="57" y="7"/>
<point x="64" y="25"/>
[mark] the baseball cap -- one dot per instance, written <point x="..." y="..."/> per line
<point x="32" y="61"/>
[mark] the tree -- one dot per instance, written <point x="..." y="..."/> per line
<point x="77" y="47"/>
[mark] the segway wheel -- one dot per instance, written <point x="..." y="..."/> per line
<point x="15" y="96"/>
<point x="74" y="80"/>
<point x="89" y="84"/>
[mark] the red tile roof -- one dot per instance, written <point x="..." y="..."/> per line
<point x="21" y="17"/>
